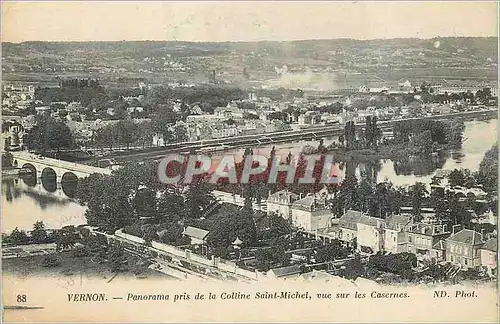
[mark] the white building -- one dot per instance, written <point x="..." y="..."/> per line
<point x="489" y="256"/>
<point x="396" y="237"/>
<point x="370" y="234"/>
<point x="280" y="202"/>
<point x="311" y="213"/>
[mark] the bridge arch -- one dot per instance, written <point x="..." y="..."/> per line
<point x="69" y="183"/>
<point x="30" y="178"/>
<point x="49" y="179"/>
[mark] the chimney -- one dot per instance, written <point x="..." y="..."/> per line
<point x="455" y="226"/>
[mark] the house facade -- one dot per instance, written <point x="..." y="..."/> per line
<point x="311" y="213"/>
<point x="280" y="202"/>
<point x="463" y="248"/>
<point x="422" y="238"/>
<point x="396" y="235"/>
<point x="489" y="256"/>
<point x="370" y="234"/>
<point x="348" y="224"/>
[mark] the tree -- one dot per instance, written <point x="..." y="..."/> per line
<point x="418" y="193"/>
<point x="456" y="178"/>
<point x="39" y="234"/>
<point x="149" y="234"/>
<point x="354" y="268"/>
<point x="18" y="237"/>
<point x="331" y="252"/>
<point x="488" y="170"/>
<point x="180" y="132"/>
<point x="107" y="201"/>
<point x="145" y="133"/>
<point x="117" y="259"/>
<point x="7" y="159"/>
<point x="144" y="203"/>
<point x="423" y="141"/>
<point x="228" y="225"/>
<point x="126" y="132"/>
<point x="199" y="198"/>
<point x="264" y="259"/>
<point x="49" y="134"/>
<point x="162" y="122"/>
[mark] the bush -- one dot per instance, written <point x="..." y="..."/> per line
<point x="81" y="252"/>
<point x="50" y="262"/>
<point x="7" y="160"/>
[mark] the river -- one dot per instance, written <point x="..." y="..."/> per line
<point x="23" y="205"/>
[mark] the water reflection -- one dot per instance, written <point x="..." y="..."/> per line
<point x="479" y="137"/>
<point x="10" y="189"/>
<point x="17" y="188"/>
<point x="49" y="180"/>
<point x="419" y="165"/>
<point x="25" y="201"/>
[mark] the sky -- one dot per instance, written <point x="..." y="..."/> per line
<point x="243" y="21"/>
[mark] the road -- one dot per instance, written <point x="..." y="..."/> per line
<point x="311" y="133"/>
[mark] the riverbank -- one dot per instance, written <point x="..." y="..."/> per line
<point x="10" y="171"/>
<point x="393" y="152"/>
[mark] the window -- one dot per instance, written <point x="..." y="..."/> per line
<point x="451" y="258"/>
<point x="410" y="239"/>
<point x="465" y="261"/>
<point x="394" y="238"/>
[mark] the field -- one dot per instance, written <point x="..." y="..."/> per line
<point x="332" y="63"/>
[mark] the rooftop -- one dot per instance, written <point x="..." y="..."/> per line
<point x="195" y="232"/>
<point x="310" y="202"/>
<point x="283" y="194"/>
<point x="491" y="245"/>
<point x="371" y="221"/>
<point x="397" y="222"/>
<point x="286" y="271"/>
<point x="351" y="216"/>
<point x="467" y="236"/>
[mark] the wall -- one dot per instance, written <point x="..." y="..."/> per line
<point x="466" y="255"/>
<point x="368" y="236"/>
<point x="488" y="259"/>
<point x="320" y="221"/>
<point x="283" y="210"/>
<point x="224" y="265"/>
<point x="391" y="241"/>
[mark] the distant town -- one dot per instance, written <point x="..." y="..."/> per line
<point x="89" y="135"/>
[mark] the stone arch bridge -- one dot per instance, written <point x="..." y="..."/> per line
<point x="44" y="166"/>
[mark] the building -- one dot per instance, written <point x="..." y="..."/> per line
<point x="396" y="236"/>
<point x="422" y="238"/>
<point x="311" y="213"/>
<point x="348" y="224"/>
<point x="280" y="202"/>
<point x="310" y="118"/>
<point x="370" y="234"/>
<point x="489" y="256"/>
<point x="42" y="110"/>
<point x="463" y="248"/>
<point x="230" y="111"/>
<point x="198" y="236"/>
<point x="290" y="272"/>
